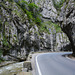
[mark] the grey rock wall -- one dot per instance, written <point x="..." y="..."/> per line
<point x="48" y="10"/>
<point x="67" y="21"/>
<point x="24" y="37"/>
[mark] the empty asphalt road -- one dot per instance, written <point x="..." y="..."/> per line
<point x="54" y="64"/>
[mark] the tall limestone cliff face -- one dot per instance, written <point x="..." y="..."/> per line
<point x="47" y="8"/>
<point x="19" y="35"/>
<point x="67" y="21"/>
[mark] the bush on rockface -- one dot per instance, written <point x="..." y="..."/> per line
<point x="38" y="21"/>
<point x="5" y="41"/>
<point x="32" y="6"/>
<point x="29" y="14"/>
<point x="48" y="25"/>
<point x="0" y="25"/>
<point x="31" y="9"/>
<point x="58" y="4"/>
<point x="1" y="52"/>
<point x="34" y="9"/>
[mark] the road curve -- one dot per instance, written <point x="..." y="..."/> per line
<point x="54" y="64"/>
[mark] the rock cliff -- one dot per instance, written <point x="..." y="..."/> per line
<point x="67" y="21"/>
<point x="20" y="34"/>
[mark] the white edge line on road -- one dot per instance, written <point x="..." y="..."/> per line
<point x="70" y="59"/>
<point x="38" y="66"/>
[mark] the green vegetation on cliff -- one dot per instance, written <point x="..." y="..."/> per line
<point x="31" y="10"/>
<point x="33" y="13"/>
<point x="1" y="52"/>
<point x="46" y="26"/>
<point x="5" y="43"/>
<point x="0" y="25"/>
<point x="18" y="17"/>
<point x="58" y="4"/>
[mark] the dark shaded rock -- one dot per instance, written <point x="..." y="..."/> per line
<point x="68" y="47"/>
<point x="67" y="21"/>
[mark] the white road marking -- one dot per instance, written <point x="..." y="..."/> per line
<point x="39" y="71"/>
<point x="70" y="58"/>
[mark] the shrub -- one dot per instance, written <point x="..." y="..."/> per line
<point x="10" y="0"/>
<point x="44" y="28"/>
<point x="31" y="10"/>
<point x="59" y="4"/>
<point x="1" y="52"/>
<point x="0" y="25"/>
<point x="32" y="6"/>
<point x="29" y="14"/>
<point x="38" y="20"/>
<point x="5" y="43"/>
